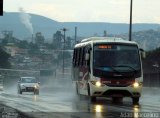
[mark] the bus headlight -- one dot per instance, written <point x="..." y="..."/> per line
<point x="136" y="85"/>
<point x="97" y="83"/>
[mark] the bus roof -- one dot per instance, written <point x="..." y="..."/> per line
<point x="93" y="40"/>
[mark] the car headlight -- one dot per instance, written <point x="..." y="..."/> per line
<point x="1" y="87"/>
<point x="36" y="86"/>
<point x="22" y="85"/>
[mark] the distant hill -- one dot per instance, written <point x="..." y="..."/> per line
<point x="147" y="39"/>
<point x="91" y="28"/>
<point x="11" y="21"/>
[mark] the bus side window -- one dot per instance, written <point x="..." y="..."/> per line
<point x="73" y="59"/>
<point x="81" y="57"/>
<point x="77" y="59"/>
<point x="87" y="62"/>
<point x="84" y="61"/>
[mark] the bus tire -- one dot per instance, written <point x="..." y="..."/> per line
<point x="92" y="98"/>
<point x="135" y="100"/>
<point x="77" y="91"/>
<point x="88" y="88"/>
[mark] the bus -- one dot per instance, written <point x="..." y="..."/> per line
<point x="108" y="67"/>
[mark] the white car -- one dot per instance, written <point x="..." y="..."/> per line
<point x="28" y="84"/>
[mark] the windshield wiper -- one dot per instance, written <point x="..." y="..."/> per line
<point x="110" y="67"/>
<point x="134" y="70"/>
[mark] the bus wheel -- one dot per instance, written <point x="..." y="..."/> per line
<point x="92" y="98"/>
<point x="77" y="92"/>
<point x="88" y="88"/>
<point x="78" y="95"/>
<point x="135" y="100"/>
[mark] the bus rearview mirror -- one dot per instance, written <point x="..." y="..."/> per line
<point x="87" y="56"/>
<point x="143" y="53"/>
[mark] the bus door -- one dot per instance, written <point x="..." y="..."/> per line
<point x="84" y="69"/>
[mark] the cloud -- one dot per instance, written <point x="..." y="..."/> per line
<point x="56" y="12"/>
<point x="94" y="13"/>
<point x="157" y="19"/>
<point x="91" y="11"/>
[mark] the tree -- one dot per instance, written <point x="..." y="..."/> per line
<point x="68" y="43"/>
<point x="23" y="44"/>
<point x="4" y="63"/>
<point x="57" y="40"/>
<point x="4" y="42"/>
<point x="33" y="48"/>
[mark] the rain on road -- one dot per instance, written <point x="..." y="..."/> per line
<point x="60" y="102"/>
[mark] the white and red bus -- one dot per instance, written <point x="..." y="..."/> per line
<point x="108" y="67"/>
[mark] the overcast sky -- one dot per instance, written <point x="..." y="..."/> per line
<point x="115" y="11"/>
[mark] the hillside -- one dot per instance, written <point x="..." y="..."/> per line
<point x="12" y="21"/>
<point x="147" y="39"/>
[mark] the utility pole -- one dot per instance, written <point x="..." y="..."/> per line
<point x="1" y="7"/>
<point x="64" y="37"/>
<point x="75" y="35"/>
<point x="130" y="25"/>
<point x="105" y="33"/>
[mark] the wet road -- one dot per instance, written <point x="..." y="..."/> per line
<point x="64" y="102"/>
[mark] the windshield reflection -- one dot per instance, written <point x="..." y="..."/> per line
<point x="117" y="55"/>
<point x="116" y="58"/>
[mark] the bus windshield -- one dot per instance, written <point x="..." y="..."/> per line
<point x="116" y="58"/>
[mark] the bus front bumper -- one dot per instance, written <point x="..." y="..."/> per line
<point x="106" y="91"/>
